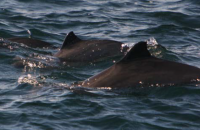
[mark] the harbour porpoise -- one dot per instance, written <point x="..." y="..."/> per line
<point x="139" y="68"/>
<point x="76" y="50"/>
<point x="30" y="42"/>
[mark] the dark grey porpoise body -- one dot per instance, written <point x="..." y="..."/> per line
<point x="76" y="50"/>
<point x="34" y="43"/>
<point x="139" y="67"/>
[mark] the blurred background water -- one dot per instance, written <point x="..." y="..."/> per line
<point x="38" y="96"/>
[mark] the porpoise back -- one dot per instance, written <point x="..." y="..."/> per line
<point x="30" y="42"/>
<point x="138" y="68"/>
<point x="76" y="50"/>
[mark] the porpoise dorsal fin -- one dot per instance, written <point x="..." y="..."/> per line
<point x="71" y="38"/>
<point x="139" y="50"/>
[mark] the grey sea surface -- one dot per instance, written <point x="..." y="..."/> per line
<point x="39" y="95"/>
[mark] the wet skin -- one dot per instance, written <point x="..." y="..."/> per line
<point x="138" y="68"/>
<point x="76" y="50"/>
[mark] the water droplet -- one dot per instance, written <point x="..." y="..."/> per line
<point x="29" y="32"/>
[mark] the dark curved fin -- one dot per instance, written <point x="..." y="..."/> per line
<point x="139" y="50"/>
<point x="71" y="38"/>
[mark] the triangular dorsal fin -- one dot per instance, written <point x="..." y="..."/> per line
<point x="139" y="50"/>
<point x="71" y="38"/>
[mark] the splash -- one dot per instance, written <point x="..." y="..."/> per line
<point x="36" y="61"/>
<point x="7" y="44"/>
<point x="104" y="88"/>
<point x="28" y="79"/>
<point x="124" y="46"/>
<point x="152" y="41"/>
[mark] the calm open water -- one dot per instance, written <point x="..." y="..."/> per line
<point x="38" y="96"/>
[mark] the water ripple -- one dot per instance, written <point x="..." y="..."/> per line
<point x="40" y="95"/>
